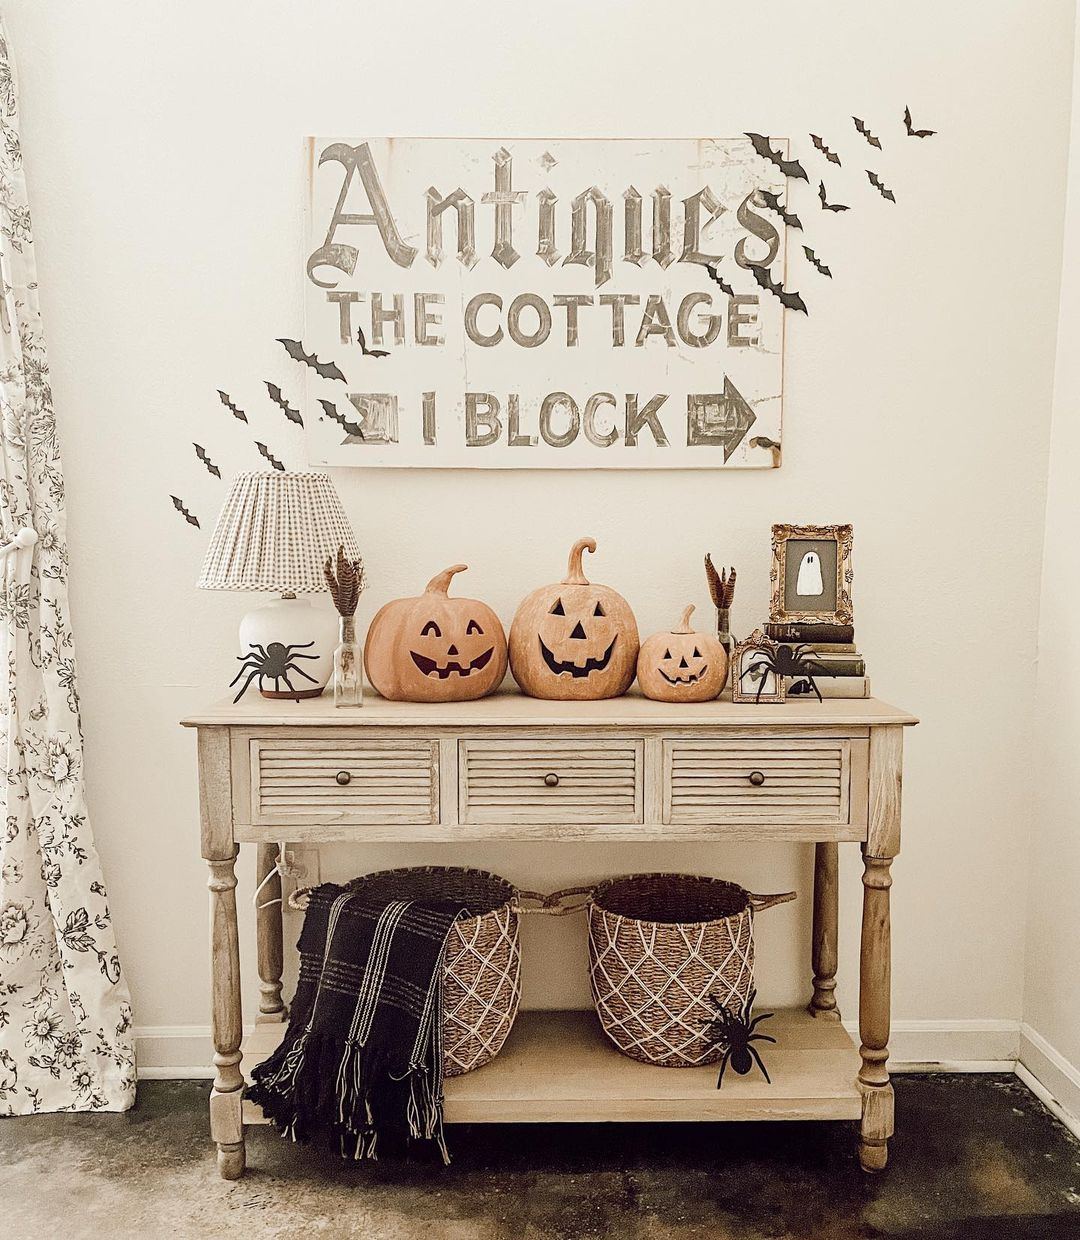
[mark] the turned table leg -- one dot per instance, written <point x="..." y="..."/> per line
<point x="269" y="937"/>
<point x="226" y="1124"/>
<point x="219" y="851"/>
<point x="826" y="920"/>
<point x="875" y="973"/>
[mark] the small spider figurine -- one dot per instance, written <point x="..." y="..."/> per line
<point x="734" y="1031"/>
<point x="786" y="661"/>
<point x="273" y="662"/>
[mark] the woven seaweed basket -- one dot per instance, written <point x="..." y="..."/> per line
<point x="661" y="946"/>
<point x="482" y="960"/>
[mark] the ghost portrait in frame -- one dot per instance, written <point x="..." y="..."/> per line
<point x="811" y="574"/>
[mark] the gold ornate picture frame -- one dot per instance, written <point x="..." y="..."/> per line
<point x="815" y="587"/>
<point x="756" y="654"/>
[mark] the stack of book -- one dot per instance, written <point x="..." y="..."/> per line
<point x="832" y="647"/>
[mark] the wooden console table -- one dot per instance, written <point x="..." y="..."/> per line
<point x="272" y="773"/>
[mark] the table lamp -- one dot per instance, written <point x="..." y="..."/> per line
<point x="274" y="534"/>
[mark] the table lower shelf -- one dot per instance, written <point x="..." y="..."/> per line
<point x="558" y="1067"/>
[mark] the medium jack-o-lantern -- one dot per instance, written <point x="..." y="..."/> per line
<point x="574" y="641"/>
<point x="681" y="665"/>
<point x="435" y="649"/>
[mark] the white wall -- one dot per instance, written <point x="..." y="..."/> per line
<point x="1050" y="1045"/>
<point x="164" y="161"/>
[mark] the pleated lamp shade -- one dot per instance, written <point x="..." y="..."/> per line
<point x="275" y="533"/>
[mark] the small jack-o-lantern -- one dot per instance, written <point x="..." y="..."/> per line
<point x="435" y="649"/>
<point x="574" y="641"/>
<point x="681" y="665"/>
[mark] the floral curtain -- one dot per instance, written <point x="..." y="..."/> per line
<point x="65" y="1018"/>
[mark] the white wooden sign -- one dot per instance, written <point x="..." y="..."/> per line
<point x="525" y="304"/>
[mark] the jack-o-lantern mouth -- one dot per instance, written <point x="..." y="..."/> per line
<point x="429" y="667"/>
<point x="684" y="678"/>
<point x="576" y="669"/>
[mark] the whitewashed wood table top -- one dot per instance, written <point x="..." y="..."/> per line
<point x="508" y="708"/>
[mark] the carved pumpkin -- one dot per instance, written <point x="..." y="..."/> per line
<point x="681" y="665"/>
<point x="574" y="641"/>
<point x="435" y="649"/>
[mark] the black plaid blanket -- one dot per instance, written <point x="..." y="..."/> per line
<point x="362" y="1055"/>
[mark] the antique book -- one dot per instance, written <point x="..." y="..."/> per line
<point x="792" y="632"/>
<point x="828" y="687"/>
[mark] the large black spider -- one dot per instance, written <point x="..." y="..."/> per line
<point x="274" y="661"/>
<point x="734" y="1031"/>
<point x="784" y="660"/>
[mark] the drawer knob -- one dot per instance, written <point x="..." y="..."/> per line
<point x="343" y="778"/>
<point x="551" y="779"/>
<point x="757" y="778"/>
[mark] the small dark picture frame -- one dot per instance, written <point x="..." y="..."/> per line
<point x="811" y="574"/>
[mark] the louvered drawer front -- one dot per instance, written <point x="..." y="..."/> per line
<point x="781" y="781"/>
<point x="563" y="780"/>
<point x="345" y="781"/>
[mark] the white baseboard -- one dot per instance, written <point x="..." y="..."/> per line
<point x="174" y="1052"/>
<point x="950" y="1045"/>
<point x="1051" y="1076"/>
<point x="185" y="1052"/>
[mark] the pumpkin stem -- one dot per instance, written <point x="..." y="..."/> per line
<point x="684" y="623"/>
<point x="440" y="583"/>
<point x="574" y="575"/>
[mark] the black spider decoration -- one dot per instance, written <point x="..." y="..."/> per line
<point x="273" y="662"/>
<point x="786" y="661"/>
<point x="734" y="1032"/>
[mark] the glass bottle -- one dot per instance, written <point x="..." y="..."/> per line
<point x="348" y="666"/>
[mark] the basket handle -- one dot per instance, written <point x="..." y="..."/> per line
<point x="552" y="905"/>
<point x="760" y="903"/>
<point x="298" y="899"/>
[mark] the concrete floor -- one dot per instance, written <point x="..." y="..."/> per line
<point x="976" y="1157"/>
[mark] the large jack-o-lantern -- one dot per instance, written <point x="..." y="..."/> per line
<point x="435" y="649"/>
<point x="574" y="641"/>
<point x="681" y="665"/>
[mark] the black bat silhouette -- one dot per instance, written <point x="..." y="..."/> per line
<point x="181" y="508"/>
<point x="772" y="201"/>
<point x="789" y="300"/>
<point x="880" y="186"/>
<point x="200" y="452"/>
<point x="817" y="263"/>
<point x="831" y="156"/>
<point x="829" y="206"/>
<point x="350" y="428"/>
<point x="862" y="127"/>
<point x="916" y="133"/>
<point x="325" y="370"/>
<point x="275" y="395"/>
<point x="789" y="167"/>
<point x="226" y="400"/>
<point x="714" y="275"/>
<point x="265" y="451"/>
<point x="365" y="351"/>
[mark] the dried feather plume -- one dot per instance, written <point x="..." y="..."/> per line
<point x="347" y="583"/>
<point x="721" y="585"/>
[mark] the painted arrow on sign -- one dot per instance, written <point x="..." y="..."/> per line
<point x="718" y="418"/>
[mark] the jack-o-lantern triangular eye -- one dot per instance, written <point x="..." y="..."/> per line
<point x="557" y="610"/>
<point x="472" y="627"/>
<point x="697" y="653"/>
<point x="599" y="610"/>
<point x="667" y="654"/>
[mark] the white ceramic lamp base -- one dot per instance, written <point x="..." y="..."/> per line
<point x="282" y="637"/>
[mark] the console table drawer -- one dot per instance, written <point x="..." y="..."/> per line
<point x="785" y="780"/>
<point x="557" y="780"/>
<point x="360" y="781"/>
